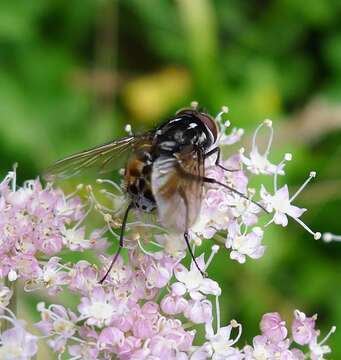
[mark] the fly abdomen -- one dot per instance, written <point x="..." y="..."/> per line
<point x="138" y="185"/>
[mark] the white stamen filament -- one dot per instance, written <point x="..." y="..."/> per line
<point x="14" y="178"/>
<point x="267" y="123"/>
<point x="10" y="320"/>
<point x="157" y="244"/>
<point x="193" y="248"/>
<point x="218" y="118"/>
<point x="111" y="231"/>
<point x="141" y="224"/>
<point x="99" y="206"/>
<point x="91" y="206"/>
<point x="317" y="235"/>
<point x="10" y="312"/>
<point x="217" y="309"/>
<point x="128" y="129"/>
<point x="276" y="174"/>
<point x="331" y="331"/>
<point x="112" y="183"/>
<point x="311" y="176"/>
<point x="143" y="249"/>
<point x="328" y="237"/>
<point x="194" y="105"/>
<point x="235" y="324"/>
<point x="215" y="249"/>
<point x="71" y="195"/>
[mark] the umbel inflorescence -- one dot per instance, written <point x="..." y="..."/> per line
<point x="150" y="303"/>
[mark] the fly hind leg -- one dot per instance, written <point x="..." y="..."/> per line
<point x="186" y="235"/>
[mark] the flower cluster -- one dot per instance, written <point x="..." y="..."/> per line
<point x="150" y="304"/>
<point x="37" y="223"/>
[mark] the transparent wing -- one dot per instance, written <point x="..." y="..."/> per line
<point x="177" y="187"/>
<point x="103" y="158"/>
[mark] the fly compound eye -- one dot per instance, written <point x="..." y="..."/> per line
<point x="210" y="124"/>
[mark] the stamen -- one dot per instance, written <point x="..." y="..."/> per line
<point x="219" y="119"/>
<point x="328" y="237"/>
<point x="215" y="249"/>
<point x="111" y="231"/>
<point x="267" y="123"/>
<point x="311" y="176"/>
<point x="217" y="309"/>
<point x="107" y="181"/>
<point x="128" y="129"/>
<point x="143" y="249"/>
<point x="157" y="244"/>
<point x="10" y="312"/>
<point x="287" y="157"/>
<point x="91" y="206"/>
<point x="317" y="235"/>
<point x="331" y="331"/>
<point x="98" y="206"/>
<point x="71" y="195"/>
<point x="194" y="105"/>
<point x="193" y="248"/>
<point x="14" y="178"/>
<point x="240" y="132"/>
<point x="235" y="324"/>
<point x="10" y="320"/>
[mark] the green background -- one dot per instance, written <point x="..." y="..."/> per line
<point x="73" y="73"/>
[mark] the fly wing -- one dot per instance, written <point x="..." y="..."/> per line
<point x="177" y="187"/>
<point x="104" y="158"/>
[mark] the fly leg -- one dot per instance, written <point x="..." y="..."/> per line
<point x="214" y="181"/>
<point x="217" y="162"/>
<point x="186" y="236"/>
<point x="120" y="246"/>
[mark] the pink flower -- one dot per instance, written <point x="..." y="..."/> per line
<point x="199" y="311"/>
<point x="173" y="305"/>
<point x="273" y="327"/>
<point x="16" y="343"/>
<point x="303" y="328"/>
<point x="158" y="273"/>
<point x="83" y="351"/>
<point x="100" y="307"/>
<point x="109" y="338"/>
<point x="58" y="323"/>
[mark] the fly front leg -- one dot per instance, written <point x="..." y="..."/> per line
<point x="217" y="162"/>
<point x="120" y="245"/>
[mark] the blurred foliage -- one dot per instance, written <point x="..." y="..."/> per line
<point x="72" y="73"/>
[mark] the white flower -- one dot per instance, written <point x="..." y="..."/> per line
<point x="245" y="244"/>
<point x="220" y="346"/>
<point x="281" y="204"/>
<point x="100" y="308"/>
<point x="193" y="282"/>
<point x="318" y="350"/>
